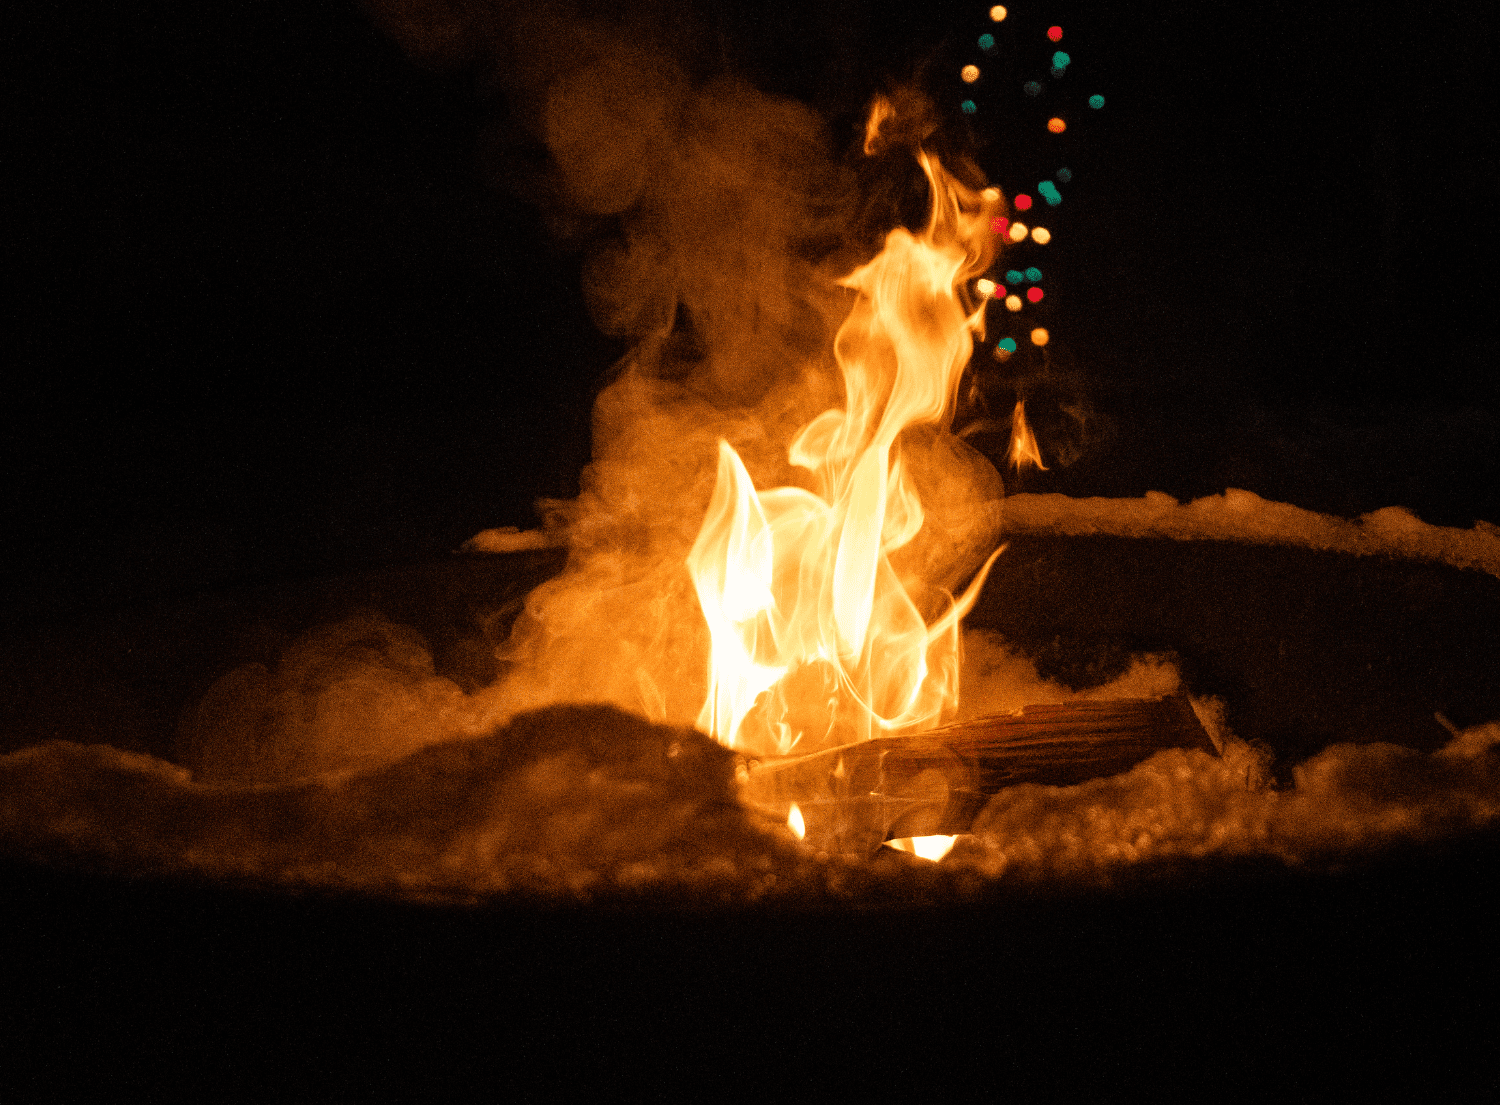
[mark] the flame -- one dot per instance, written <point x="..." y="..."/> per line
<point x="1024" y="448"/>
<point x="795" y="823"/>
<point x="924" y="847"/>
<point x="812" y="630"/>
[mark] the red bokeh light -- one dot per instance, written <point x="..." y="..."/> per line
<point x="1023" y="202"/>
<point x="1034" y="294"/>
<point x="999" y="225"/>
<point x="1054" y="33"/>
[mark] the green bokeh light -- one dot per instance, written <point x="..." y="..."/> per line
<point x="1096" y="101"/>
<point x="1064" y="175"/>
<point x="1014" y="276"/>
<point x="986" y="42"/>
<point x="1060" y="60"/>
<point x="1049" y="193"/>
<point x="1033" y="274"/>
<point x="1007" y="344"/>
<point x="969" y="107"/>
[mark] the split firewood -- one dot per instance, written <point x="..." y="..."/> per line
<point x="921" y="784"/>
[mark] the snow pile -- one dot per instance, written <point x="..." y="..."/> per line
<point x="1245" y="517"/>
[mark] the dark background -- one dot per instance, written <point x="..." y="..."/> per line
<point x="271" y="312"/>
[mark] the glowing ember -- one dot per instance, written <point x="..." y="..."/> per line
<point x="924" y="847"/>
<point x="795" y="823"/>
<point x="816" y="638"/>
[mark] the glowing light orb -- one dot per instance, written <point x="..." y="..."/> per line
<point x="1061" y="60"/>
<point x="998" y="13"/>
<point x="970" y="73"/>
<point x="969" y="107"/>
<point x="986" y="42"/>
<point x="1049" y="193"/>
<point x="1041" y="235"/>
<point x="985" y="288"/>
<point x="1039" y="336"/>
<point x="1013" y="303"/>
<point x="1054" y="124"/>
<point x="999" y="225"/>
<point x="1034" y="295"/>
<point x="1023" y="202"/>
<point x="1018" y="231"/>
<point x="1033" y="274"/>
<point x="1096" y="101"/>
<point x="1014" y="276"/>
<point x="1032" y="88"/>
<point x="992" y="194"/>
<point x="1064" y="175"/>
<point x="1007" y="344"/>
<point x="1054" y="33"/>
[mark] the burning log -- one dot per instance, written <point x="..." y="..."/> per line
<point x="935" y="783"/>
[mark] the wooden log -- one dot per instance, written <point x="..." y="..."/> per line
<point x="854" y="797"/>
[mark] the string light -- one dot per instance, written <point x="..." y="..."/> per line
<point x="1014" y="276"/>
<point x="1012" y="303"/>
<point x="1041" y="236"/>
<point x="998" y="13"/>
<point x="1023" y="202"/>
<point x="986" y="42"/>
<point x="1061" y="60"/>
<point x="1049" y="193"/>
<point x="1096" y="101"/>
<point x="1039" y="336"/>
<point x="1054" y="124"/>
<point x="970" y="73"/>
<point x="1018" y="231"/>
<point x="1034" y="295"/>
<point x="1054" y="33"/>
<point x="985" y="288"/>
<point x="1033" y="274"/>
<point x="968" y="107"/>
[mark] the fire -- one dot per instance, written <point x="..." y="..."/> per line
<point x="795" y="822"/>
<point x="1024" y="448"/>
<point x="816" y="638"/>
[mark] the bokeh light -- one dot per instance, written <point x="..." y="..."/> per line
<point x="1064" y="175"/>
<point x="1061" y="60"/>
<point x="1013" y="302"/>
<point x="1014" y="276"/>
<point x="999" y="225"/>
<point x="970" y="73"/>
<point x="1054" y="124"/>
<point x="1033" y="274"/>
<point x="969" y="107"/>
<point x="1018" y="231"/>
<point x="997" y="13"/>
<point x="1023" y="202"/>
<point x="1039" y="336"/>
<point x="1049" y="193"/>
<point x="1032" y="88"/>
<point x="1096" y="101"/>
<point x="986" y="42"/>
<point x="1007" y="344"/>
<point x="1041" y="235"/>
<point x="1034" y="295"/>
<point x="1054" y="33"/>
<point x="1057" y="71"/>
<point x="984" y="287"/>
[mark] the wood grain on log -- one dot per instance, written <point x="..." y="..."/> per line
<point x="920" y="784"/>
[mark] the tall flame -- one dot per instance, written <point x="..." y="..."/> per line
<point x="816" y="639"/>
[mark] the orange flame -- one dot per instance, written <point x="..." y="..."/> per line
<point x="1024" y="448"/>
<point x="811" y="628"/>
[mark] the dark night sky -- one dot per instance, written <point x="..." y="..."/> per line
<point x="270" y="313"/>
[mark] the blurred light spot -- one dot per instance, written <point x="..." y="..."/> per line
<point x="969" y="107"/>
<point x="997" y="13"/>
<point x="1064" y="175"/>
<point x="1032" y="88"/>
<point x="985" y="288"/>
<point x="1018" y="231"/>
<point x="1003" y="355"/>
<point x="999" y="225"/>
<point x="1054" y="33"/>
<point x="1096" y="101"/>
<point x="991" y="194"/>
<point x="1057" y="71"/>
<point x="1061" y="60"/>
<point x="1007" y="344"/>
<point x="1049" y="193"/>
<point x="1041" y="235"/>
<point x="1039" y="336"/>
<point x="1023" y="202"/>
<point x="1014" y="276"/>
<point x="986" y="42"/>
<point x="1055" y="125"/>
<point x="1033" y="274"/>
<point x="970" y="73"/>
<point x="1034" y="295"/>
<point x="1013" y="302"/>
